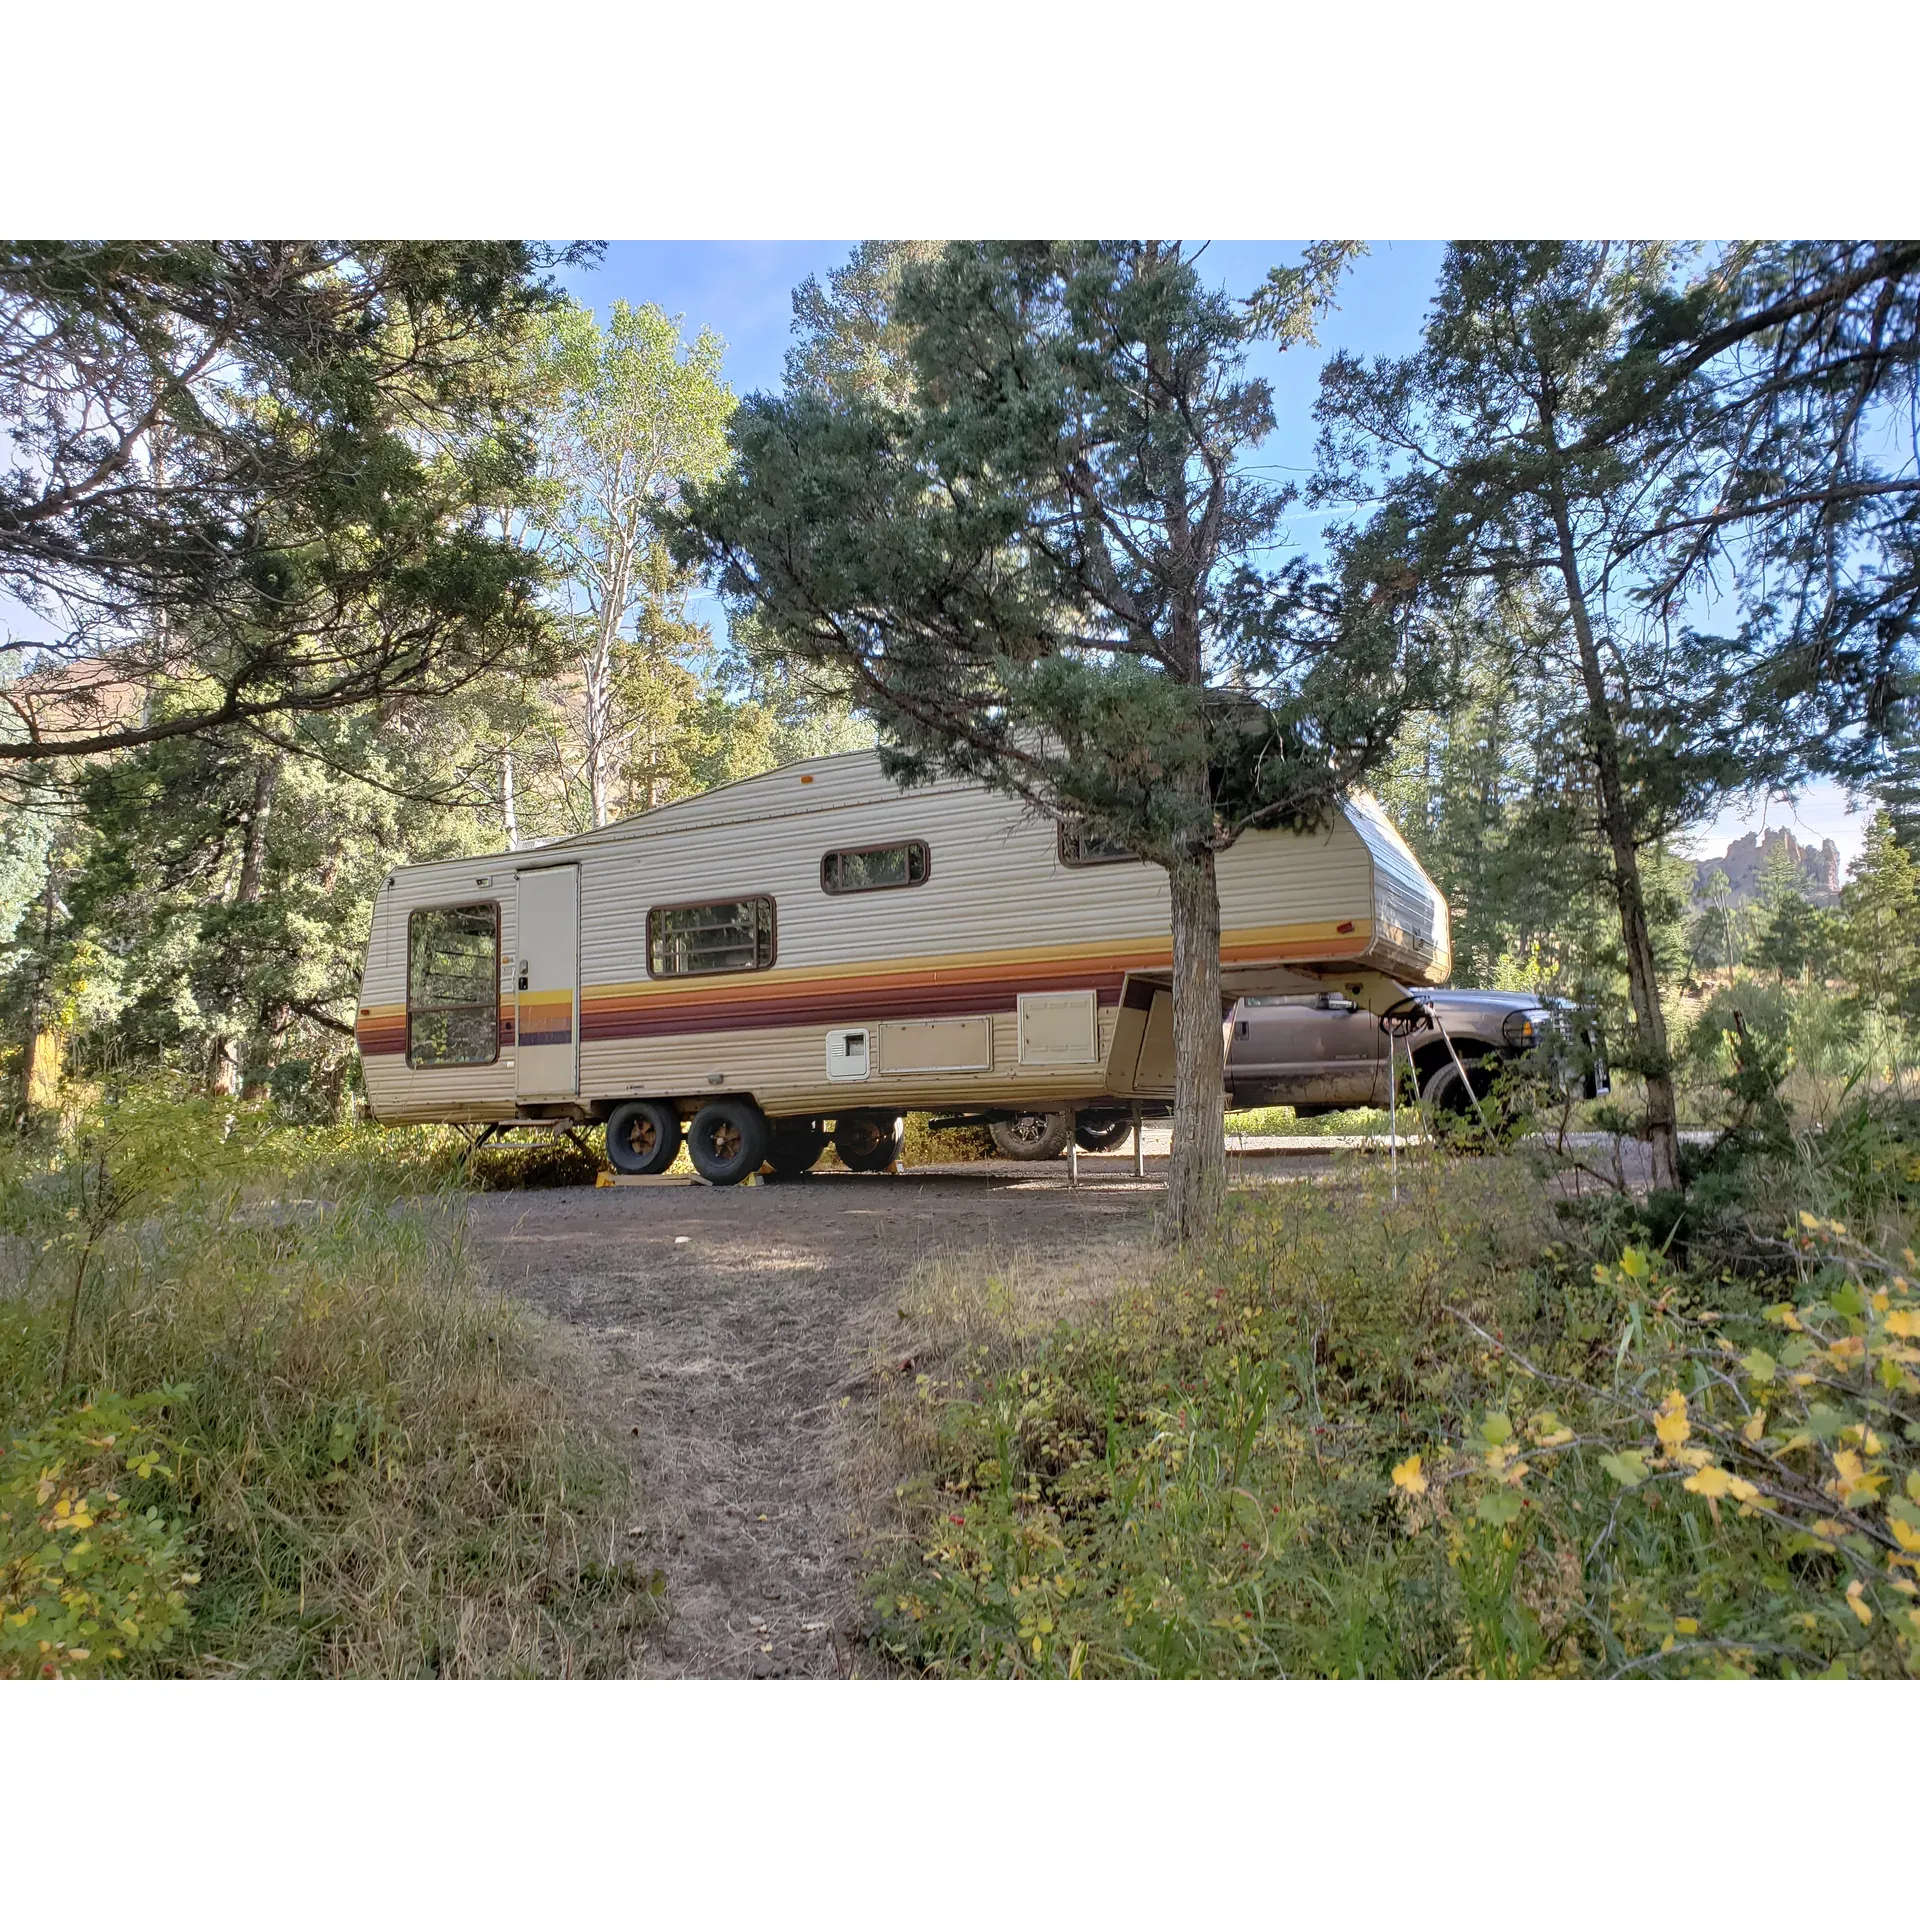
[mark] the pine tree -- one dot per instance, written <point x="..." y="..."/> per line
<point x="1041" y="563"/>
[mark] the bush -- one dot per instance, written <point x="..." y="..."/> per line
<point x="89" y="1578"/>
<point x="370" y="1463"/>
<point x="928" y="1146"/>
<point x="1358" y="1438"/>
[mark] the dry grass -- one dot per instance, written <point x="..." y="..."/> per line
<point x="378" y="1460"/>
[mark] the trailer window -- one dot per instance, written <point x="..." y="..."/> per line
<point x="453" y="986"/>
<point x="1080" y="846"/>
<point x="874" y="869"/>
<point x="712" y="936"/>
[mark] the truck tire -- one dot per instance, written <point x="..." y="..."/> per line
<point x="643" y="1136"/>
<point x="1102" y="1132"/>
<point x="727" y="1140"/>
<point x="1031" y="1136"/>
<point x="797" y="1146"/>
<point x="868" y="1142"/>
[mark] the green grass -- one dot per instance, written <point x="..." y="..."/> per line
<point x="370" y="1458"/>
<point x="1195" y="1475"/>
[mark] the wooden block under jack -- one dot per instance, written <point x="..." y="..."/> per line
<point x="606" y="1179"/>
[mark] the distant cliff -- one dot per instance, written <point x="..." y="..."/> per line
<point x="1746" y="857"/>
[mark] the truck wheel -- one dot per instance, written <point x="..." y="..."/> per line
<point x="1102" y="1132"/>
<point x="643" y="1136"/>
<point x="797" y="1145"/>
<point x="867" y="1142"/>
<point x="1031" y="1136"/>
<point x="727" y="1140"/>
<point x="1446" y="1090"/>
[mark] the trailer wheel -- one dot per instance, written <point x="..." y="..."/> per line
<point x="1032" y="1136"/>
<point x="1102" y="1132"/>
<point x="643" y="1136"/>
<point x="727" y="1140"/>
<point x="868" y="1142"/>
<point x="797" y="1145"/>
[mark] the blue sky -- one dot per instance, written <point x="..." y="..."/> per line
<point x="744" y="291"/>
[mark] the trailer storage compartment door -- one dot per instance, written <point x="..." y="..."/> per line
<point x="547" y="977"/>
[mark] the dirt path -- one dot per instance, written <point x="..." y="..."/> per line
<point x="724" y="1322"/>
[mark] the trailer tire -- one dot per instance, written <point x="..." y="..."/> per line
<point x="643" y="1136"/>
<point x="797" y="1146"/>
<point x="727" y="1140"/>
<point x="1102" y="1132"/>
<point x="868" y="1142"/>
<point x="1032" y="1136"/>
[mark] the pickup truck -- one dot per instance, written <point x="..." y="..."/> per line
<point x="1319" y="1053"/>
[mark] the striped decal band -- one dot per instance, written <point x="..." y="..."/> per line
<point x="856" y="991"/>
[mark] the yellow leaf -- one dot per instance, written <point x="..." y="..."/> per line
<point x="1754" y="1428"/>
<point x="1633" y="1263"/>
<point x="1807" y="1220"/>
<point x="1671" y="1423"/>
<point x="1684" y="1623"/>
<point x="1907" y="1536"/>
<point x="1862" y="1612"/>
<point x="1408" y="1477"/>
<point x="1716" y="1483"/>
<point x="1905" y="1322"/>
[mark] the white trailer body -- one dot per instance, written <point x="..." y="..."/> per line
<point x="818" y="940"/>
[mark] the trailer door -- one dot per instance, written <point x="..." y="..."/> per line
<point x="546" y="1023"/>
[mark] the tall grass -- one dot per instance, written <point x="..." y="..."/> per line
<point x="370" y="1455"/>
<point x="1452" y="1433"/>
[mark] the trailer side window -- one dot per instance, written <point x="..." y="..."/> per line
<point x="874" y="869"/>
<point x="1080" y="846"/>
<point x="453" y="986"/>
<point x="712" y="936"/>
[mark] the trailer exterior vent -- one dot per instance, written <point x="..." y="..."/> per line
<point x="1059" y="1029"/>
<point x="848" y="1051"/>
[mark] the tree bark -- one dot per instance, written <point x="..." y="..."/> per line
<point x="1197" y="1171"/>
<point x="223" y="1061"/>
<point x="1643" y="986"/>
<point x="509" y="813"/>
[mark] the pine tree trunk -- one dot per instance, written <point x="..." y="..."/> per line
<point x="1643" y="985"/>
<point x="223" y="1061"/>
<point x="263" y="1053"/>
<point x="1197" y="1172"/>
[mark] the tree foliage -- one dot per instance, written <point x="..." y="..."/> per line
<point x="1043" y="563"/>
<point x="255" y="479"/>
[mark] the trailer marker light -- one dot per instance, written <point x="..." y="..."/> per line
<point x="1345" y="926"/>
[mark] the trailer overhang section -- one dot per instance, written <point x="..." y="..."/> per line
<point x="993" y="976"/>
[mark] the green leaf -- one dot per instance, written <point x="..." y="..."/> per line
<point x="1823" y="1421"/>
<point x="1628" y="1468"/>
<point x="1759" y="1364"/>
<point x="1496" y="1429"/>
<point x="1499" y="1506"/>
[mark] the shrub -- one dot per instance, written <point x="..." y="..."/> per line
<point x="90" y="1578"/>
<point x="375" y="1467"/>
<point x="1741" y="1503"/>
<point x="1432" y="1438"/>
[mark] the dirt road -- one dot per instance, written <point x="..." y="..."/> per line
<point x="724" y="1325"/>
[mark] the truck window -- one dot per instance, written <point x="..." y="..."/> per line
<point x="453" y="986"/>
<point x="710" y="936"/>
<point x="874" y="869"/>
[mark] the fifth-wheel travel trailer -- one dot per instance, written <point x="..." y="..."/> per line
<point x="819" y="948"/>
